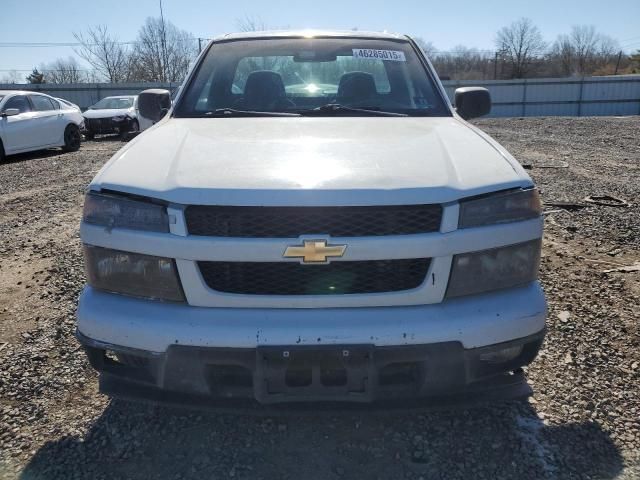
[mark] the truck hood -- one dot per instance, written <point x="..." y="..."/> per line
<point x="107" y="113"/>
<point x="306" y="161"/>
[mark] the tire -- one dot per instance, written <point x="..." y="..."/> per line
<point x="134" y="129"/>
<point x="72" y="138"/>
<point x="2" y="155"/>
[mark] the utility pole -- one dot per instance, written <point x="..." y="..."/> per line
<point x="164" y="45"/>
<point x="618" y="62"/>
<point x="199" y="45"/>
<point x="495" y="67"/>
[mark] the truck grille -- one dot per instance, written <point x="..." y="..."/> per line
<point x="291" y="222"/>
<point x="337" y="278"/>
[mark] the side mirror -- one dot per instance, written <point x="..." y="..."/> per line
<point x="10" y="112"/>
<point x="154" y="104"/>
<point x="472" y="102"/>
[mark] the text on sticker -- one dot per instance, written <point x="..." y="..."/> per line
<point x="391" y="55"/>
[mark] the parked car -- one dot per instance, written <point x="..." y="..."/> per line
<point x="67" y="104"/>
<point x="332" y="230"/>
<point x="34" y="121"/>
<point x="112" y="115"/>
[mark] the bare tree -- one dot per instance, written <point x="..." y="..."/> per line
<point x="250" y="23"/>
<point x="562" y="56"/>
<point x="584" y="41"/>
<point x="521" y="43"/>
<point x="427" y="47"/>
<point x="634" y="63"/>
<point x="63" y="70"/>
<point x="108" y="56"/>
<point x="463" y="63"/>
<point x="12" y="76"/>
<point x="582" y="51"/>
<point x="608" y="50"/>
<point x="162" y="52"/>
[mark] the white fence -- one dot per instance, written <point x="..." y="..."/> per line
<point x="613" y="95"/>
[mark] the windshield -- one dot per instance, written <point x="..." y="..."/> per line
<point x="112" y="103"/>
<point x="306" y="75"/>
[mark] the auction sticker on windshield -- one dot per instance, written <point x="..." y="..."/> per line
<point x="392" y="55"/>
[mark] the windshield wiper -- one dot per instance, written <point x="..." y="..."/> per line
<point x="338" y="108"/>
<point x="232" y="112"/>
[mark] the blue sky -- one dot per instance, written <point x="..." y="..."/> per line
<point x="445" y="23"/>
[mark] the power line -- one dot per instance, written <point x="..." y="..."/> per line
<point x="46" y="70"/>
<point x="632" y="44"/>
<point x="79" y="44"/>
<point x="52" y="44"/>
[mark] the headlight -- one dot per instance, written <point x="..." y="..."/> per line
<point x="118" y="118"/>
<point x="113" y="212"/>
<point x="132" y="274"/>
<point x="510" y="206"/>
<point x="486" y="270"/>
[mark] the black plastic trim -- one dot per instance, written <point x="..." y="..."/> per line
<point x="446" y="374"/>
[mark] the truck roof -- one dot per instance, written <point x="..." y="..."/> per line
<point x="310" y="33"/>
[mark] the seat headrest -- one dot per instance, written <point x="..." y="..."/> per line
<point x="356" y="86"/>
<point x="263" y="89"/>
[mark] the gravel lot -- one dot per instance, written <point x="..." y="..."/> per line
<point x="583" y="421"/>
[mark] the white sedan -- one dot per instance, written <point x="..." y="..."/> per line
<point x="34" y="121"/>
<point x="67" y="104"/>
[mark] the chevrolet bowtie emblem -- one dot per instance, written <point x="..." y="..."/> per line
<point x="314" y="251"/>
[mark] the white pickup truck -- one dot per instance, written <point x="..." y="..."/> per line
<point x="312" y="220"/>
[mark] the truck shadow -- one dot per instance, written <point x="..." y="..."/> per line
<point x="501" y="441"/>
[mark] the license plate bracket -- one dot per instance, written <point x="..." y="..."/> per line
<point x="326" y="373"/>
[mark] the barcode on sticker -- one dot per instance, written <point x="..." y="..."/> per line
<point x="391" y="55"/>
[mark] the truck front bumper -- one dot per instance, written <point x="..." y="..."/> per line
<point x="469" y="348"/>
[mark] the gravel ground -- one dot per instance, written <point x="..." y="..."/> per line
<point x="582" y="422"/>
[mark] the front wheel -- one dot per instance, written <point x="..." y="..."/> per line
<point x="71" y="138"/>
<point x="134" y="129"/>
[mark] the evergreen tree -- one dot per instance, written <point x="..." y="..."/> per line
<point x="36" y="77"/>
